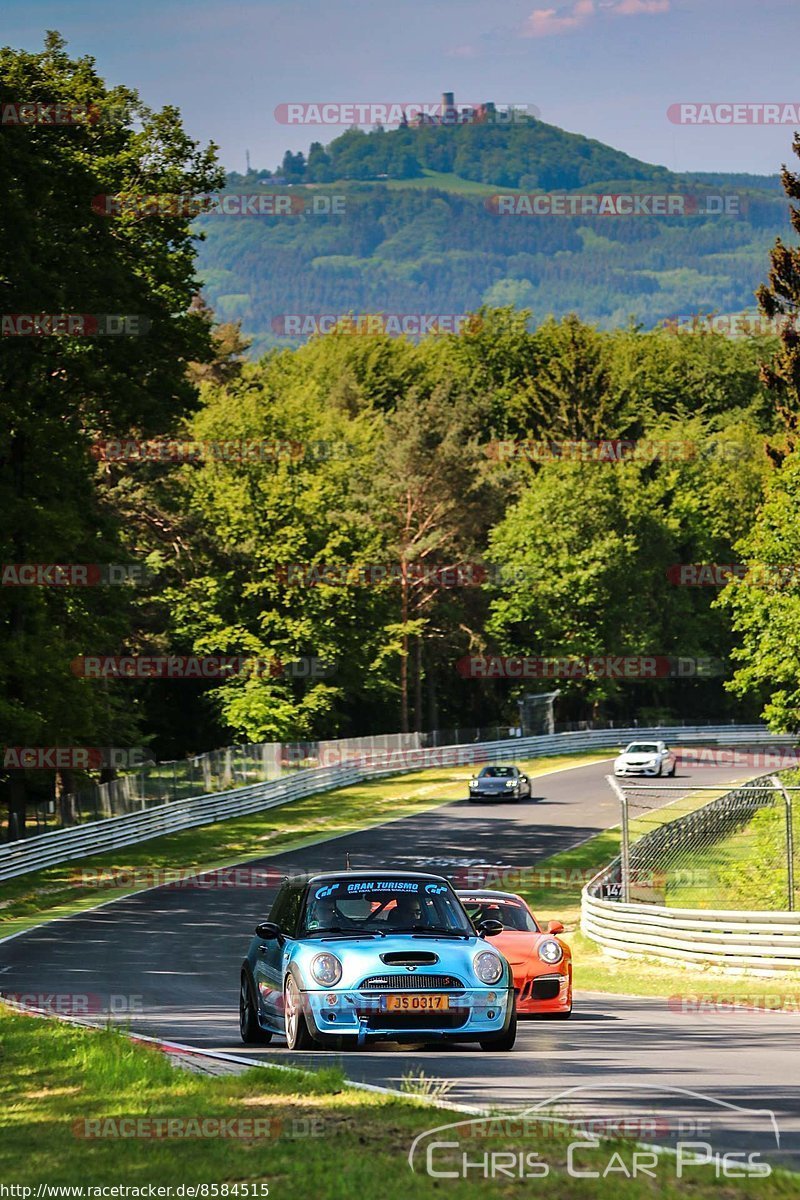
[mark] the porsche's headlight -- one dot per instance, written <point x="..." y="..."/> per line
<point x="550" y="952"/>
<point x="473" y="783"/>
<point x="511" y="783"/>
<point x="488" y="967"/>
<point x="326" y="969"/>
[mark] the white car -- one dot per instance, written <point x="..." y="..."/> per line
<point x="645" y="758"/>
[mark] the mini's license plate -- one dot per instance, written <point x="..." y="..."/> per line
<point x="417" y="1002"/>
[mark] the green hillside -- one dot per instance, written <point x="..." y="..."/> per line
<point x="403" y="221"/>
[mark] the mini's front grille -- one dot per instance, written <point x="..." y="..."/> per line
<point x="410" y="983"/>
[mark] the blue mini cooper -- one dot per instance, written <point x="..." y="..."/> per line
<point x="355" y="956"/>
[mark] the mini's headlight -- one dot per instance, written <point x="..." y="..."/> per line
<point x="550" y="952"/>
<point x="326" y="969"/>
<point x="488" y="967"/>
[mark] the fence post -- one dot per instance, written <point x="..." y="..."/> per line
<point x="625" y="847"/>
<point x="787" y="799"/>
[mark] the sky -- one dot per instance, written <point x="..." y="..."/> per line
<point x="609" y="69"/>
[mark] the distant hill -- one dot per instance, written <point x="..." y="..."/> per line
<point x="403" y="221"/>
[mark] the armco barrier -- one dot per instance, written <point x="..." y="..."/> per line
<point x="767" y="941"/>
<point x="65" y="845"/>
<point x="733" y="940"/>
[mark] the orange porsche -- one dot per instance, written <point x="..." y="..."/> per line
<point x="540" y="961"/>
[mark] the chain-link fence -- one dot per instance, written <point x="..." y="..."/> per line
<point x="708" y="847"/>
<point x="234" y="766"/>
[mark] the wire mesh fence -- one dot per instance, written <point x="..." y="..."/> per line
<point x="707" y="847"/>
<point x="231" y="767"/>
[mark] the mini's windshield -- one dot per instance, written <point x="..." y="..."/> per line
<point x="642" y="748"/>
<point x="512" y="914"/>
<point x="498" y="773"/>
<point x="383" y="906"/>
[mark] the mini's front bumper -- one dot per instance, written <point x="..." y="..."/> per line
<point x="473" y="1013"/>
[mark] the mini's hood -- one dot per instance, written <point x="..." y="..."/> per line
<point x="362" y="957"/>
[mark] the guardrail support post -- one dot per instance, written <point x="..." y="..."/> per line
<point x="625" y="848"/>
<point x="787" y="799"/>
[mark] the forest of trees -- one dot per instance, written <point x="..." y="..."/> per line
<point x="430" y="250"/>
<point x="315" y="469"/>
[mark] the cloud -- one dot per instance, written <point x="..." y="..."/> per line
<point x="636" y="8"/>
<point x="462" y="52"/>
<point x="545" y="22"/>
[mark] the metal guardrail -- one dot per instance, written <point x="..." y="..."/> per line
<point x="353" y="766"/>
<point x="731" y="939"/>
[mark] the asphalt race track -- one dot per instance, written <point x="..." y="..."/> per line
<point x="175" y="954"/>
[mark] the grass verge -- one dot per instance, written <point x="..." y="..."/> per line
<point x="61" y="891"/>
<point x="60" y="1083"/>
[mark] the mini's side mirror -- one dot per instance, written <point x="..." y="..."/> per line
<point x="555" y="927"/>
<point x="490" y="928"/>
<point x="269" y="932"/>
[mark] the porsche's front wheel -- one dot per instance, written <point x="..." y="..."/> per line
<point x="298" y="1035"/>
<point x="250" y="1031"/>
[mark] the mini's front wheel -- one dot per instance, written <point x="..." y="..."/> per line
<point x="502" y="1041"/>
<point x="298" y="1035"/>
